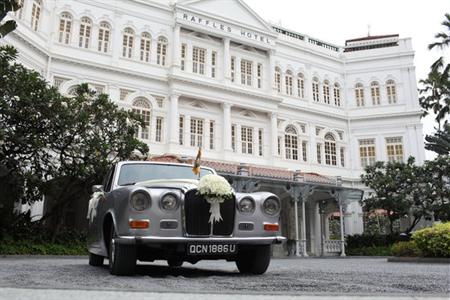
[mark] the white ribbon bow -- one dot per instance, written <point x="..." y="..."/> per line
<point x="214" y="209"/>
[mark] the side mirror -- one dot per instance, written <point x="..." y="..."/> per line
<point x="97" y="188"/>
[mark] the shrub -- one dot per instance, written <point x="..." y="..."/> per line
<point x="371" y="240"/>
<point x="434" y="241"/>
<point x="369" y="251"/>
<point x="405" y="249"/>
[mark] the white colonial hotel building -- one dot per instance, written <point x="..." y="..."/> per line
<point x="212" y="73"/>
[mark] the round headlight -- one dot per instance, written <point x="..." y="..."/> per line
<point x="271" y="206"/>
<point x="246" y="205"/>
<point x="140" y="200"/>
<point x="169" y="202"/>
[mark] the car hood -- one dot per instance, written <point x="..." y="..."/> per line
<point x="184" y="184"/>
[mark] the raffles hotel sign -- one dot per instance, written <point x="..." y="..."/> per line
<point x="226" y="28"/>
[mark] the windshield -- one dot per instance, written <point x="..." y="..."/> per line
<point x="132" y="173"/>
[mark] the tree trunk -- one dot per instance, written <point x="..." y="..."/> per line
<point x="413" y="224"/>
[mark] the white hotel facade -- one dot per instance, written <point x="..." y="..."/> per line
<point x="212" y="73"/>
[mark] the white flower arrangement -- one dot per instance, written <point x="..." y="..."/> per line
<point x="216" y="190"/>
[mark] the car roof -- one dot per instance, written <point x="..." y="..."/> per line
<point x="121" y="163"/>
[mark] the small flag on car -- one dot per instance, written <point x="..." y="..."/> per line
<point x="196" y="168"/>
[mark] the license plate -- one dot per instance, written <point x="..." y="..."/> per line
<point x="211" y="249"/>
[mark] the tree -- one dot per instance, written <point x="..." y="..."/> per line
<point x="54" y="145"/>
<point x="5" y="7"/>
<point x="435" y="93"/>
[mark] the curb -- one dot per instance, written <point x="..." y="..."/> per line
<point x="428" y="260"/>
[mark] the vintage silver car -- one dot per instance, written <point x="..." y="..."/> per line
<point x="152" y="211"/>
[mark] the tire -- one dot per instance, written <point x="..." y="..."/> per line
<point x="254" y="260"/>
<point x="174" y="263"/>
<point x="122" y="258"/>
<point x="95" y="260"/>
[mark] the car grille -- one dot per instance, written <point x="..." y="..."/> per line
<point x="197" y="215"/>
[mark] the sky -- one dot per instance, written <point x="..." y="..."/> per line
<point x="335" y="21"/>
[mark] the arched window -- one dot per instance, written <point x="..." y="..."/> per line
<point x="288" y="82"/>
<point x="291" y="143"/>
<point x="391" y="91"/>
<point x="127" y="43"/>
<point x="85" y="32"/>
<point x="35" y="14"/>
<point x="375" y="92"/>
<point x="72" y="91"/>
<point x="337" y="94"/>
<point x="161" y="51"/>
<point x="326" y="92"/>
<point x="142" y="107"/>
<point x="65" y="28"/>
<point x="301" y="85"/>
<point x="359" y="94"/>
<point x="104" y="33"/>
<point x="145" y="46"/>
<point x="315" y="89"/>
<point x="330" y="149"/>
<point x="278" y="79"/>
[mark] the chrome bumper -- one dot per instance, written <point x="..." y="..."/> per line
<point x="136" y="240"/>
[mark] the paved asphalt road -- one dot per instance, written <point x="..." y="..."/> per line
<point x="24" y="277"/>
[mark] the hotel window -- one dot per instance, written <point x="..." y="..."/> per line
<point x="183" y="56"/>
<point x="291" y="143"/>
<point x="198" y="60"/>
<point x="104" y="33"/>
<point x="330" y="150"/>
<point x="159" y="128"/>
<point x="246" y="72"/>
<point x="181" y="130"/>
<point x="367" y="152"/>
<point x="65" y="28"/>
<point x="18" y="12"/>
<point x="359" y="94"/>
<point x="196" y="132"/>
<point x="233" y="137"/>
<point x="260" y="141"/>
<point x="278" y="79"/>
<point x="233" y="68"/>
<point x="375" y="92"/>
<point x="394" y="147"/>
<point x="391" y="91"/>
<point x="211" y="135"/>
<point x="213" y="64"/>
<point x="35" y="14"/>
<point x="342" y="154"/>
<point x="161" y="51"/>
<point x="319" y="153"/>
<point x="85" y="32"/>
<point x="315" y="88"/>
<point x="142" y="107"/>
<point x="304" y="151"/>
<point x="337" y="95"/>
<point x="127" y="42"/>
<point x="259" y="71"/>
<point x="301" y="85"/>
<point x="288" y="82"/>
<point x="247" y="140"/>
<point x="326" y="92"/>
<point x="145" y="46"/>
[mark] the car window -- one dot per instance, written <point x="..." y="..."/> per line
<point x="106" y="178"/>
<point x="132" y="173"/>
<point x="110" y="179"/>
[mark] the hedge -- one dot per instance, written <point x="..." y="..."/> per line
<point x="434" y="241"/>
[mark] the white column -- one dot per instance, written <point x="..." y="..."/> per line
<point x="297" y="246"/>
<point x="176" y="46"/>
<point x="226" y="127"/>
<point x="187" y="131"/>
<point x="341" y="219"/>
<point x="238" y="139"/>
<point x="174" y="119"/>
<point x="226" y="60"/>
<point x="303" y="229"/>
<point x="274" y="134"/>
<point x="271" y="72"/>
<point x="116" y="45"/>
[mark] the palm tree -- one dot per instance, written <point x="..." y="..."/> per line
<point x="440" y="141"/>
<point x="445" y="37"/>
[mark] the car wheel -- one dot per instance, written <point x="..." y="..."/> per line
<point x="174" y="263"/>
<point x="122" y="258"/>
<point x="253" y="260"/>
<point x="95" y="260"/>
